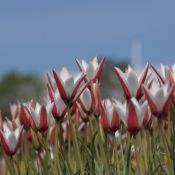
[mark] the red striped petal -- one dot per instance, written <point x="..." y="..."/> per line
<point x="115" y="122"/>
<point x="24" y="117"/>
<point x="152" y="105"/>
<point x="103" y="119"/>
<point x="77" y="86"/>
<point x="99" y="70"/>
<point x="50" y="93"/>
<point x="124" y="86"/>
<point x="60" y="87"/>
<point x="43" y="126"/>
<point x="79" y="65"/>
<point x="19" y="140"/>
<point x="49" y="81"/>
<point x="139" y="91"/>
<point x="132" y="118"/>
<point x="158" y="74"/>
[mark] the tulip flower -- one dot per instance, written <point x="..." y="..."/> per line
<point x="132" y="115"/>
<point x="59" y="107"/>
<point x="41" y="116"/>
<point x="159" y="98"/>
<point x="69" y="87"/>
<point x="93" y="70"/>
<point x="24" y="116"/>
<point x="109" y="117"/>
<point x="15" y="110"/>
<point x="131" y="82"/>
<point x="11" y="140"/>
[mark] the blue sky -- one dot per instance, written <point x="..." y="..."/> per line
<point x="38" y="35"/>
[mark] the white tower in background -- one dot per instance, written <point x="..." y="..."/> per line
<point x="136" y="56"/>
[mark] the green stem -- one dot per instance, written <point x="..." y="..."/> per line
<point x="75" y="143"/>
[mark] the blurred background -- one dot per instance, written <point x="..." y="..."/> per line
<point x="36" y="36"/>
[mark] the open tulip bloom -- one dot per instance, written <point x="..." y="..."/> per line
<point x="41" y="116"/>
<point x="131" y="82"/>
<point x="93" y="70"/>
<point x="132" y="115"/>
<point x="69" y="87"/>
<point x="11" y="140"/>
<point x="159" y="98"/>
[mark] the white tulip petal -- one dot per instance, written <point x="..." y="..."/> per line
<point x="69" y="86"/>
<point x="37" y="108"/>
<point x="84" y="64"/>
<point x="122" y="75"/>
<point x="109" y="110"/>
<point x="60" y="105"/>
<point x="17" y="132"/>
<point x="35" y="116"/>
<point x="95" y="63"/>
<point x="64" y="74"/>
<point x="12" y="141"/>
<point x="90" y="71"/>
<point x="86" y="98"/>
<point x="121" y="111"/>
<point x="132" y="82"/>
<point x="49" y="108"/>
<point x="144" y="108"/>
<point x="159" y="99"/>
<point x="164" y="71"/>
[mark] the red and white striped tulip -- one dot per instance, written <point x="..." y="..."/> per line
<point x="159" y="98"/>
<point x="109" y="117"/>
<point x="59" y="106"/>
<point x="24" y="116"/>
<point x="67" y="85"/>
<point x="131" y="82"/>
<point x="11" y="140"/>
<point x="132" y="115"/>
<point x="41" y="116"/>
<point x="93" y="70"/>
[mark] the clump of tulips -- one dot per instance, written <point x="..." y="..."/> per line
<point x="77" y="132"/>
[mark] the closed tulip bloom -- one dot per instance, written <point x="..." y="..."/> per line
<point x="41" y="116"/>
<point x="131" y="82"/>
<point x="93" y="70"/>
<point x="24" y="116"/>
<point x="132" y="115"/>
<point x="159" y="98"/>
<point x="109" y="117"/>
<point x="11" y="140"/>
